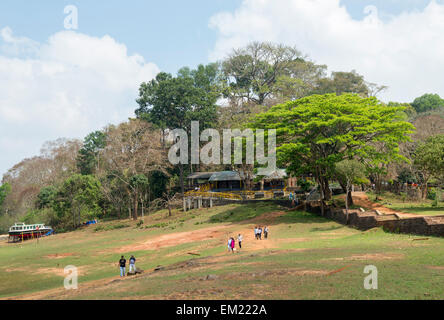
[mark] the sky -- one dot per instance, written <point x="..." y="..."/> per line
<point x="57" y="83"/>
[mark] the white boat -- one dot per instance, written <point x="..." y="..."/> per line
<point x="21" y="231"/>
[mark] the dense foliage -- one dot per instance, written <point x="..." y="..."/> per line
<point x="326" y="124"/>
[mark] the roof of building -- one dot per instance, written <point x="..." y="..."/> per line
<point x="200" y="175"/>
<point x="225" y="176"/>
<point x="276" y="174"/>
<point x="235" y="176"/>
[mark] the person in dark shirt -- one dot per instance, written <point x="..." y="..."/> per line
<point x="122" y="264"/>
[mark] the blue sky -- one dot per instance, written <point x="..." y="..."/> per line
<point x="57" y="83"/>
<point x="170" y="33"/>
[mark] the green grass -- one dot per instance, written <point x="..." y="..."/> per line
<point x="241" y="213"/>
<point x="397" y="203"/>
<point x="293" y="264"/>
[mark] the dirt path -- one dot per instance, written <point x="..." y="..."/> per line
<point x="219" y="233"/>
<point x="361" y="199"/>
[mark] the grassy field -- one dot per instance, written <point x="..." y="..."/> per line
<point x="306" y="257"/>
<point x="396" y="202"/>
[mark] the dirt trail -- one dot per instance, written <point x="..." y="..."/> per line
<point x="361" y="199"/>
<point x="219" y="233"/>
<point x="174" y="239"/>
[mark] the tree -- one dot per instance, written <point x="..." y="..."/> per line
<point x="343" y="82"/>
<point x="316" y="132"/>
<point x="409" y="111"/>
<point x="299" y="80"/>
<point x="132" y="149"/>
<point x="429" y="160"/>
<point x="78" y="198"/>
<point x="46" y="197"/>
<point x="261" y="70"/>
<point x="427" y="102"/>
<point x="87" y="160"/>
<point x="353" y="172"/>
<point x="56" y="163"/>
<point x="139" y="183"/>
<point x="5" y="189"/>
<point x="174" y="102"/>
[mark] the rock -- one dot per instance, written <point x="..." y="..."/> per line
<point x="211" y="277"/>
<point x="159" y="268"/>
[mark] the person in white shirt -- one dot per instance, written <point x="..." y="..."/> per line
<point x="255" y="232"/>
<point x="229" y="244"/>
<point x="239" y="239"/>
<point x="266" y="233"/>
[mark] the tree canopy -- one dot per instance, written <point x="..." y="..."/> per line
<point x="429" y="160"/>
<point x="173" y="102"/>
<point x="316" y="132"/>
<point x="427" y="102"/>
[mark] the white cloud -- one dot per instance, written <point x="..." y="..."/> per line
<point x="67" y="87"/>
<point x="404" y="52"/>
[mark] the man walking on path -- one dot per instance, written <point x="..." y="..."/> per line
<point x="256" y="232"/>
<point x="132" y="264"/>
<point x="260" y="233"/>
<point x="122" y="264"/>
<point x="229" y="244"/>
<point x="266" y="232"/>
<point x="239" y="239"/>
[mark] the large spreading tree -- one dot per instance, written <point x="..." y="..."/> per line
<point x="316" y="132"/>
<point x="174" y="102"/>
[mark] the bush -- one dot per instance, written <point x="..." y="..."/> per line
<point x="432" y="194"/>
<point x="110" y="227"/>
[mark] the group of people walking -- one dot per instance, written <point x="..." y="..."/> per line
<point x="122" y="265"/>
<point x="258" y="232"/>
<point x="232" y="243"/>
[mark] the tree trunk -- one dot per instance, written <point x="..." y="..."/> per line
<point x="424" y="190"/>
<point x="346" y="190"/>
<point x="346" y="204"/>
<point x="378" y="185"/>
<point x="325" y="188"/>
<point x="182" y="188"/>
<point x="349" y="198"/>
<point x="143" y="213"/>
<point x="169" y="208"/>
<point x="136" y="204"/>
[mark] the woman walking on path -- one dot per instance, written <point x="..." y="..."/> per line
<point x="233" y="243"/>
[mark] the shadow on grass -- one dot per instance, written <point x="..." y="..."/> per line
<point x="418" y="209"/>
<point x="246" y="212"/>
<point x="331" y="228"/>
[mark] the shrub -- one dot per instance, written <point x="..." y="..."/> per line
<point x="432" y="194"/>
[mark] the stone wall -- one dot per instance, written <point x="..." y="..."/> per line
<point x="427" y="226"/>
